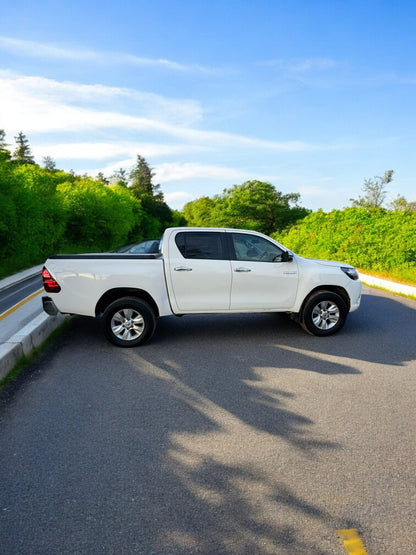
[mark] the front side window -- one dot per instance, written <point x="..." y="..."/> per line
<point x="255" y="249"/>
<point x="200" y="244"/>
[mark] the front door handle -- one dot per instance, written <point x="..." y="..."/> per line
<point x="242" y="269"/>
<point x="182" y="269"/>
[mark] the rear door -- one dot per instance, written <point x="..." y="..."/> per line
<point x="260" y="279"/>
<point x="199" y="272"/>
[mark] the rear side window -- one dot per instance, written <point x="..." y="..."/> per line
<point x="200" y="244"/>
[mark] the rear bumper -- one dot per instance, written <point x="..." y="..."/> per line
<point x="49" y="306"/>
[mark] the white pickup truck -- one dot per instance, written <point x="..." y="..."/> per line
<point x="200" y="271"/>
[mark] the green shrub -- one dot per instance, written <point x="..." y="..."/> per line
<point x="377" y="241"/>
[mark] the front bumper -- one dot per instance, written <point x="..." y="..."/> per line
<point x="356" y="296"/>
<point x="49" y="306"/>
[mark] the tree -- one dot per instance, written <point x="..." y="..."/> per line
<point x="49" y="163"/>
<point x="150" y="196"/>
<point x="4" y="152"/>
<point x="98" y="217"/>
<point x="400" y="204"/>
<point x="120" y="177"/>
<point x="141" y="178"/>
<point x="257" y="205"/>
<point x="374" y="192"/>
<point x="3" y="143"/>
<point x="141" y="183"/>
<point x="102" y="178"/>
<point x="199" y="212"/>
<point x="23" y="154"/>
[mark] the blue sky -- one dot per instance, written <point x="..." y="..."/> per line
<point x="312" y="96"/>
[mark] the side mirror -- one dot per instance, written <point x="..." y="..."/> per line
<point x="287" y="256"/>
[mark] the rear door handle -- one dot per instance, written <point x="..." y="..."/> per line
<point x="242" y="269"/>
<point x="182" y="269"/>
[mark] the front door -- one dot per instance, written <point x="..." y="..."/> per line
<point x="260" y="279"/>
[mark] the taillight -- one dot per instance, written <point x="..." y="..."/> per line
<point x="49" y="283"/>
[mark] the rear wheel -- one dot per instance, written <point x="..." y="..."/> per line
<point x="324" y="313"/>
<point x="129" y="322"/>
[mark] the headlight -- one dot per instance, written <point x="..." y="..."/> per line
<point x="351" y="272"/>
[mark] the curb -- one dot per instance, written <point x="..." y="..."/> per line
<point x="392" y="286"/>
<point x="26" y="340"/>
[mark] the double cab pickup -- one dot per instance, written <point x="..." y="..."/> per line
<point x="200" y="271"/>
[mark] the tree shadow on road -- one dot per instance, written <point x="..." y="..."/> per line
<point x="194" y="443"/>
<point x="382" y="331"/>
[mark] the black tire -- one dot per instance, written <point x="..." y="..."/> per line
<point x="129" y="322"/>
<point x="324" y="313"/>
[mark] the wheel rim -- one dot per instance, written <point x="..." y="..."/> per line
<point x="127" y="324"/>
<point x="325" y="315"/>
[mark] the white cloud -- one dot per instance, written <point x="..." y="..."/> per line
<point x="109" y="150"/>
<point x="302" y="65"/>
<point x="177" y="199"/>
<point x="47" y="105"/>
<point x="34" y="49"/>
<point x="178" y="172"/>
<point x="105" y="128"/>
<point x="166" y="173"/>
<point x="40" y="105"/>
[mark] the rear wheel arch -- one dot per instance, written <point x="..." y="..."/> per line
<point x="118" y="293"/>
<point x="129" y="322"/>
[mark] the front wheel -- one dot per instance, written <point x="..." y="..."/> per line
<point x="324" y="313"/>
<point x="129" y="322"/>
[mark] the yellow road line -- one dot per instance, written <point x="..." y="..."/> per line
<point x="18" y="305"/>
<point x="352" y="542"/>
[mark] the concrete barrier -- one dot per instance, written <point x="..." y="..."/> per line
<point x="392" y="286"/>
<point x="26" y="340"/>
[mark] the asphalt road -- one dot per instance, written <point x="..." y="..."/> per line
<point x="19" y="305"/>
<point x="19" y="291"/>
<point x="225" y="435"/>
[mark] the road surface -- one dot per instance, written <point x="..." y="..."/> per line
<point x="20" y="303"/>
<point x="17" y="292"/>
<point x="226" y="435"/>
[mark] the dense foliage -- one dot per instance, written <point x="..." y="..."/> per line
<point x="379" y="241"/>
<point x="45" y="211"/>
<point x="252" y="205"/>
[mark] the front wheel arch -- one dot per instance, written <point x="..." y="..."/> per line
<point x="324" y="313"/>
